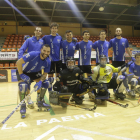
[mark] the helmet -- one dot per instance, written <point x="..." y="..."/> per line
<point x="102" y="62"/>
<point x="70" y="65"/>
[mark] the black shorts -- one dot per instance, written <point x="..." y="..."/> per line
<point x="118" y="63"/>
<point x="112" y="84"/>
<point x="64" y="66"/>
<point x="33" y="76"/>
<point x="57" y="64"/>
<point x="86" y="69"/>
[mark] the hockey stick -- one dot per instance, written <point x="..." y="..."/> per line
<point x="89" y="109"/>
<point x="125" y="106"/>
<point x="88" y="90"/>
<point x="3" y="122"/>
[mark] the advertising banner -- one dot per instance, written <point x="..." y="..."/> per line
<point x="8" y="55"/>
<point x="3" y="76"/>
<point x="13" y="75"/>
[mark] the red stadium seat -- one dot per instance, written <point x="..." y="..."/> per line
<point x="15" y="64"/>
<point x="6" y="40"/>
<point x="15" y="43"/>
<point x="15" y="40"/>
<point x="18" y="50"/>
<point x="18" y="46"/>
<point x="7" y="37"/>
<point x="12" y="66"/>
<point x="19" y="43"/>
<point x="5" y="43"/>
<point x="4" y="46"/>
<point x="9" y="46"/>
<point x="6" y="65"/>
<point x="10" y="43"/>
<point x="11" y="40"/>
<point x="8" y="50"/>
<point x="3" y="50"/>
<point x="1" y="66"/>
<point x="20" y="38"/>
<point x="14" y="46"/>
<point x="16" y="37"/>
<point x="14" y="50"/>
<point x="12" y="37"/>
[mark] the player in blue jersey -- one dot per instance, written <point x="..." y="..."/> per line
<point x="118" y="45"/>
<point x="54" y="41"/>
<point x="101" y="46"/>
<point x="34" y="43"/>
<point x="68" y="47"/>
<point x="134" y="68"/>
<point x="29" y="67"/>
<point x="85" y="48"/>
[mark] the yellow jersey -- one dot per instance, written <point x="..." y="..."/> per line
<point x="104" y="74"/>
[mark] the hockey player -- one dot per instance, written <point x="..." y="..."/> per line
<point x="54" y="41"/>
<point x="101" y="46"/>
<point x="29" y="69"/>
<point x="68" y="82"/>
<point x="85" y="48"/>
<point x="68" y="47"/>
<point x="34" y="43"/>
<point x="134" y="68"/>
<point x="102" y="76"/>
<point x="118" y="45"/>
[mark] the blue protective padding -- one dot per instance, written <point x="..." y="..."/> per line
<point x="45" y="84"/>
<point x="114" y="75"/>
<point x="134" y="82"/>
<point x="23" y="87"/>
<point x="51" y="79"/>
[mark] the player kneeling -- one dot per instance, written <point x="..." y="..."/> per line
<point x="68" y="83"/>
<point x="102" y="76"/>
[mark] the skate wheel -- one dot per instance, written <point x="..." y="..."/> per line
<point x="122" y="99"/>
<point x="39" y="109"/>
<point x="23" y="116"/>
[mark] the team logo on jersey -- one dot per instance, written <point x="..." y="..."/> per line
<point x="42" y="67"/>
<point x="107" y="71"/>
<point x="73" y="47"/>
<point x="50" y="40"/>
<point x="135" y="70"/>
<point x="58" y="40"/>
<point x="27" y="55"/>
<point x="92" y="71"/>
<point x="40" y="42"/>
<point x="90" y="46"/>
<point x="107" y="45"/>
<point x="123" y="43"/>
<point x="57" y="79"/>
<point x="76" y="74"/>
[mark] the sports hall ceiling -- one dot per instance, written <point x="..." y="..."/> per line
<point x="116" y="12"/>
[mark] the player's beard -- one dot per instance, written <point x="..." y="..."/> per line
<point x="44" y="55"/>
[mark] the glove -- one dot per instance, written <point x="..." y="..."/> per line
<point x="26" y="37"/>
<point x="133" y="59"/>
<point x="51" y="80"/>
<point x="74" y="39"/>
<point x="38" y="85"/>
<point x="129" y="63"/>
<point x="25" y="78"/>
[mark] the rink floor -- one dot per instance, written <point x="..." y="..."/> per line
<point x="107" y="122"/>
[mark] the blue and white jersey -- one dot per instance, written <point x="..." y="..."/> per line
<point x="134" y="68"/>
<point x="33" y="63"/>
<point x="54" y="43"/>
<point x="84" y="52"/>
<point x="68" y="49"/>
<point x="101" y="48"/>
<point x="32" y="44"/>
<point x="119" y="46"/>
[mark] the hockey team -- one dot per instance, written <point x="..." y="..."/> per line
<point x="51" y="55"/>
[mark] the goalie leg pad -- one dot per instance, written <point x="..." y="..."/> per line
<point x="54" y="97"/>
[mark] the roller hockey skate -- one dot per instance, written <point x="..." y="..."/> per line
<point x="43" y="105"/>
<point x="91" y="95"/>
<point x="63" y="103"/>
<point x="131" y="93"/>
<point x="118" y="95"/>
<point x="23" y="110"/>
<point x="30" y="102"/>
<point x="138" y="90"/>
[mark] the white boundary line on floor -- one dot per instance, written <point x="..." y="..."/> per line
<point x="82" y="130"/>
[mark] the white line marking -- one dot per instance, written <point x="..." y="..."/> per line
<point x="82" y="130"/>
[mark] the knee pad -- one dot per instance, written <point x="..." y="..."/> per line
<point x="51" y="80"/>
<point x="46" y="84"/>
<point x="114" y="75"/>
<point x="120" y="78"/>
<point x="134" y="82"/>
<point x="22" y="89"/>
